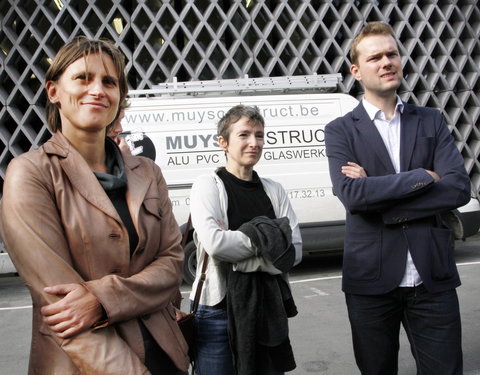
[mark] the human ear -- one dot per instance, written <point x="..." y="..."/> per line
<point x="51" y="88"/>
<point x="223" y="143"/>
<point x="355" y="72"/>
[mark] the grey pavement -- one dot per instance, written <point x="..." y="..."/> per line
<point x="320" y="333"/>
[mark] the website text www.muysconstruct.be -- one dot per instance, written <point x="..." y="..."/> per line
<point x="199" y="116"/>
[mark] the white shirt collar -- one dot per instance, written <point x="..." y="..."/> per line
<point x="375" y="112"/>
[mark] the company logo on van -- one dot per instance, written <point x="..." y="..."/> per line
<point x="278" y="137"/>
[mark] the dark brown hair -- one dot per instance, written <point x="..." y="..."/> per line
<point x="236" y="113"/>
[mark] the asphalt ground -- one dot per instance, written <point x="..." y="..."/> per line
<point x="320" y="333"/>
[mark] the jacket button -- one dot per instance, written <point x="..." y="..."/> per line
<point x="140" y="251"/>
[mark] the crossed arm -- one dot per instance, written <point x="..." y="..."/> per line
<point x="70" y="304"/>
<point x="411" y="194"/>
<point x="76" y="311"/>
<point x="353" y="170"/>
<point x="232" y="246"/>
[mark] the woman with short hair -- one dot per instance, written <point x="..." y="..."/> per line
<point x="248" y="228"/>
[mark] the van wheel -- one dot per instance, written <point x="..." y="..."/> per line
<point x="190" y="263"/>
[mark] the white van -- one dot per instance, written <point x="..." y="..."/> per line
<point x="179" y="133"/>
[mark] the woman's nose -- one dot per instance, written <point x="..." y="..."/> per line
<point x="96" y="88"/>
<point x="253" y="141"/>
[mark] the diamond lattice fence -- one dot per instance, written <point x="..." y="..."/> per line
<point x="199" y="40"/>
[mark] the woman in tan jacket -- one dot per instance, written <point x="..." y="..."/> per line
<point x="91" y="232"/>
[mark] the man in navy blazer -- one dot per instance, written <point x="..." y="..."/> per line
<point x="396" y="170"/>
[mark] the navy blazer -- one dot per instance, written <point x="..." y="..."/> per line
<point x="387" y="212"/>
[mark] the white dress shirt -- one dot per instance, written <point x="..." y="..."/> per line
<point x="390" y="132"/>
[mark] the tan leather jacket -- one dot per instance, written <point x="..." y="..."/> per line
<point x="59" y="227"/>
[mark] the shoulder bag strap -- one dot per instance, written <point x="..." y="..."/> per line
<point x="198" y="292"/>
<point x="203" y="276"/>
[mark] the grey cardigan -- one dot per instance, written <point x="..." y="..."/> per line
<point x="231" y="248"/>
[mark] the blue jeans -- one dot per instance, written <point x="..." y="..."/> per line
<point x="212" y="348"/>
<point x="213" y="355"/>
<point x="431" y="321"/>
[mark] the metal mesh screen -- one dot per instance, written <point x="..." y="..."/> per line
<point x="200" y="40"/>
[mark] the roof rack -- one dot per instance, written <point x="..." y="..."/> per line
<point x="322" y="82"/>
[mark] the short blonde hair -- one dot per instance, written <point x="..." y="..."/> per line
<point x="371" y="28"/>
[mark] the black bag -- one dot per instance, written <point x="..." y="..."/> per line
<point x="186" y="323"/>
<point x="186" y="326"/>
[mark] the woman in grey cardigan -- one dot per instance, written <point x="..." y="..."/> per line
<point x="232" y="210"/>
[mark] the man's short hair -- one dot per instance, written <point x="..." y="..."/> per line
<point x="371" y="28"/>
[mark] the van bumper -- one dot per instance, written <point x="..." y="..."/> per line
<point x="471" y="222"/>
<point x="470" y="217"/>
<point x="322" y="237"/>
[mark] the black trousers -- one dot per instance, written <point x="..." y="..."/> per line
<point x="431" y="321"/>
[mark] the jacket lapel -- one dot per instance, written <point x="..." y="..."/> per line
<point x="138" y="186"/>
<point x="408" y="134"/>
<point x="79" y="174"/>
<point x="370" y="135"/>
